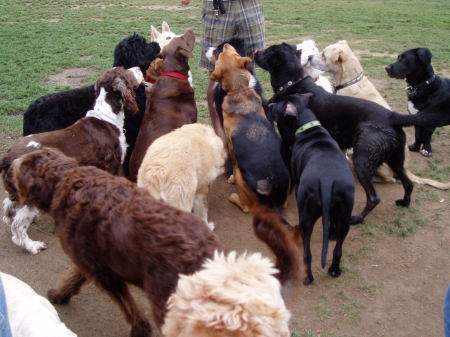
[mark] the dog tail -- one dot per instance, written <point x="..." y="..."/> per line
<point x="397" y="119"/>
<point x="270" y="228"/>
<point x="426" y="181"/>
<point x="326" y="208"/>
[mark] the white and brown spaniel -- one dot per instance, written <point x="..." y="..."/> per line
<point x="97" y="139"/>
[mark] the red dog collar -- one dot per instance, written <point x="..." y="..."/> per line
<point x="149" y="80"/>
<point x="174" y="74"/>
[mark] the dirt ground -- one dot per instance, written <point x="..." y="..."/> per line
<point x="390" y="285"/>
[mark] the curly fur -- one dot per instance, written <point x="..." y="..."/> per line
<point x="117" y="233"/>
<point x="231" y="296"/>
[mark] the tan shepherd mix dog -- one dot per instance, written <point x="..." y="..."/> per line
<point x="179" y="167"/>
<point x="231" y="70"/>
<point x="349" y="79"/>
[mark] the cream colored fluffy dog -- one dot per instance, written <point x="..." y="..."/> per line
<point x="232" y="296"/>
<point x="30" y="315"/>
<point x="179" y="166"/>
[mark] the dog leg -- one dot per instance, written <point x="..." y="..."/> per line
<point x="396" y="164"/>
<point x="70" y="286"/>
<point x="120" y="293"/>
<point x="20" y="223"/>
<point x="201" y="206"/>
<point x="364" y="170"/>
<point x="343" y="225"/>
<point x="307" y="221"/>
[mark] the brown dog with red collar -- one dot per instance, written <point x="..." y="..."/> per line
<point x="260" y="174"/>
<point x="171" y="102"/>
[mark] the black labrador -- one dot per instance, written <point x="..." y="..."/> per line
<point x="324" y="184"/>
<point x="352" y="122"/>
<point x="428" y="95"/>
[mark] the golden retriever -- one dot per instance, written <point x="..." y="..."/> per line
<point x="179" y="166"/>
<point x="231" y="296"/>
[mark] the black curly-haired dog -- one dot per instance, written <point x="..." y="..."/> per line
<point x="59" y="110"/>
<point x="428" y="95"/>
<point x="364" y="125"/>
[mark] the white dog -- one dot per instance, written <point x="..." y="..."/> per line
<point x="233" y="296"/>
<point x="179" y="166"/>
<point x="164" y="38"/>
<point x="31" y="315"/>
<point x="308" y="50"/>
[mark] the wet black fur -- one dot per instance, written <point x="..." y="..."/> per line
<point x="352" y="122"/>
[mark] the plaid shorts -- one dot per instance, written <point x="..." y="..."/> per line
<point x="244" y="18"/>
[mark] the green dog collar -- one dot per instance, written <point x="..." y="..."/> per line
<point x="307" y="126"/>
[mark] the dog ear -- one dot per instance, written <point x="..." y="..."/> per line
<point x="165" y="27"/>
<point x="290" y="110"/>
<point x="183" y="53"/>
<point x="154" y="33"/>
<point x="128" y="95"/>
<point x="424" y="55"/>
<point x="246" y="62"/>
<point x="216" y="75"/>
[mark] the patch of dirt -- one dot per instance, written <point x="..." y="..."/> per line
<point x="86" y="57"/>
<point x="71" y="77"/>
<point x="362" y="54"/>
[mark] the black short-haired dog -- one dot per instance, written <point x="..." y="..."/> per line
<point x="62" y="109"/>
<point x="352" y="122"/>
<point x="324" y="184"/>
<point x="428" y="95"/>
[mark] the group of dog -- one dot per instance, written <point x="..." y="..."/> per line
<point x="139" y="120"/>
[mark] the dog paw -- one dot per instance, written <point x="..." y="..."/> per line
<point x="401" y="202"/>
<point x="211" y="225"/>
<point x="231" y="179"/>
<point x="356" y="220"/>
<point x="334" y="272"/>
<point x="308" y="280"/>
<point x="55" y="298"/>
<point x="36" y="247"/>
<point x="426" y="153"/>
<point x="414" y="147"/>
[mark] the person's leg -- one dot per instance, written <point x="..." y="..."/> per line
<point x="447" y="313"/>
<point x="214" y="31"/>
<point x="251" y="25"/>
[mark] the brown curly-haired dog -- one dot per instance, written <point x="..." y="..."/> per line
<point x="116" y="233"/>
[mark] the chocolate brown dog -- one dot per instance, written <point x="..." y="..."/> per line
<point x="171" y="102"/>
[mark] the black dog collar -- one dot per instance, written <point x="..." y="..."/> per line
<point x="287" y="85"/>
<point x="349" y="83"/>
<point x="412" y="90"/>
